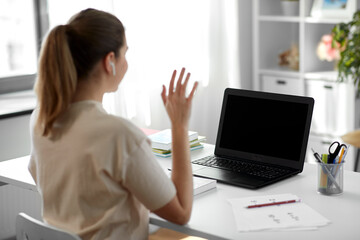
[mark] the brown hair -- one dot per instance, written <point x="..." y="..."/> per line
<point x="69" y="54"/>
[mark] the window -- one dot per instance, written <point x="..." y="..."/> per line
<point x="18" y="44"/>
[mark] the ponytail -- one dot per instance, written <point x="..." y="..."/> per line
<point x="57" y="78"/>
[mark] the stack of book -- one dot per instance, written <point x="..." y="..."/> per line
<point x="161" y="142"/>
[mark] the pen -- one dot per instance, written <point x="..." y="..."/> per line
<point x="316" y="155"/>
<point x="272" y="204"/>
<point x="343" y="154"/>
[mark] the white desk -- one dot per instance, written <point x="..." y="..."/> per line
<point x="212" y="216"/>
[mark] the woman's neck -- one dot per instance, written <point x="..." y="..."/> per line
<point x="88" y="90"/>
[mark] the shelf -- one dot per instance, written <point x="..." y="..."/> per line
<point x="285" y="72"/>
<point x="326" y="75"/>
<point x="279" y="18"/>
<point x="326" y="20"/>
<point x="334" y="111"/>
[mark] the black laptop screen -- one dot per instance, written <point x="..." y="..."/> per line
<point x="265" y="126"/>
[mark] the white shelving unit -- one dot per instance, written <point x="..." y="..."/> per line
<point x="274" y="33"/>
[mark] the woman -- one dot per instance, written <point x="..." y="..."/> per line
<point x="96" y="172"/>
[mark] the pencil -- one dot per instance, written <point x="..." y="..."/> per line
<point x="272" y="204"/>
<point x="341" y="155"/>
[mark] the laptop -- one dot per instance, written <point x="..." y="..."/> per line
<point x="262" y="139"/>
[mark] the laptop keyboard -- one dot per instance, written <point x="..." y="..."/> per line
<point x="253" y="169"/>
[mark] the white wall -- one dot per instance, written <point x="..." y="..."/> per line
<point x="14" y="137"/>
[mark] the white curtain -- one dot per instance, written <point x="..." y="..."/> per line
<point x="164" y="35"/>
<point x="61" y="11"/>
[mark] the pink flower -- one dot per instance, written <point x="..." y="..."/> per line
<point x="325" y="51"/>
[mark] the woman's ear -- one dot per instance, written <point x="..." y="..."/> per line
<point x="109" y="63"/>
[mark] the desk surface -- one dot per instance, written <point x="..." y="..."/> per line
<point x="212" y="215"/>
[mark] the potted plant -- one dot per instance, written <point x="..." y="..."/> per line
<point x="348" y="36"/>
<point x="290" y="7"/>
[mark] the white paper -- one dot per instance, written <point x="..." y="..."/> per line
<point x="291" y="216"/>
<point x="200" y="184"/>
<point x="203" y="184"/>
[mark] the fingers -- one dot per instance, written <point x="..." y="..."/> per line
<point x="163" y="94"/>
<point x="179" y="85"/>
<point x="183" y="89"/>
<point x="171" y="86"/>
<point x="193" y="91"/>
<point x="180" y="88"/>
<point x="177" y="105"/>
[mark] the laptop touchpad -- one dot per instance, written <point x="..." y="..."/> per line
<point x="229" y="177"/>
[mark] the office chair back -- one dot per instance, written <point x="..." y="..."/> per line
<point x="28" y="228"/>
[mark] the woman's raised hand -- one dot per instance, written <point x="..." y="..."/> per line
<point x="177" y="105"/>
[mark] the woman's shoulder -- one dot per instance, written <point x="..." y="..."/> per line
<point x="125" y="126"/>
<point x="119" y="126"/>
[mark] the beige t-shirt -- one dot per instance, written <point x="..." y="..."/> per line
<point x="97" y="175"/>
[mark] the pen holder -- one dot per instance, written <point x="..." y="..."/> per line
<point x="330" y="178"/>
